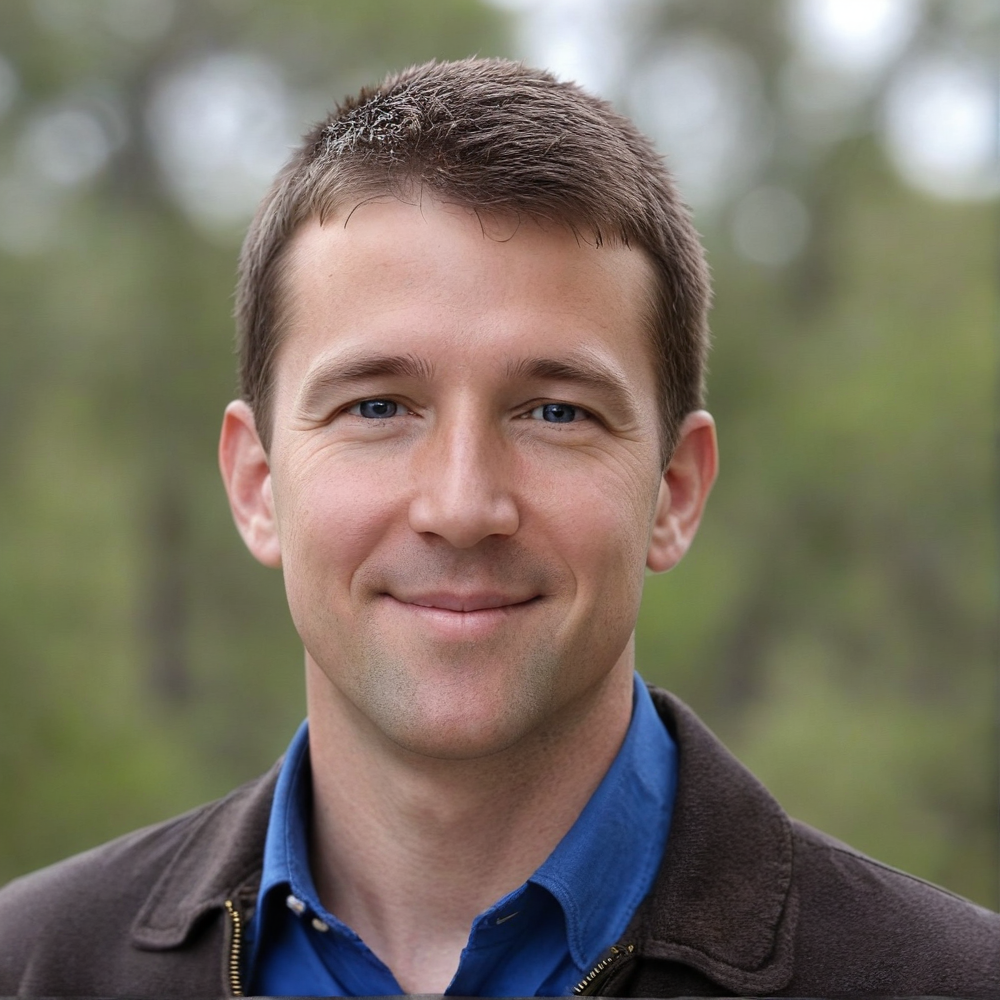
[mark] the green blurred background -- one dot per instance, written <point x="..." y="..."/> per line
<point x="836" y="620"/>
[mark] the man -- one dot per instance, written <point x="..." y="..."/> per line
<point x="473" y="327"/>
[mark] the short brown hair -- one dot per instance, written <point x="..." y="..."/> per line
<point x="495" y="136"/>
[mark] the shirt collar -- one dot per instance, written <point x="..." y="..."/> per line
<point x="607" y="862"/>
<point x="286" y="850"/>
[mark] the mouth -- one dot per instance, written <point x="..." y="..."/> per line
<point x="461" y="616"/>
<point x="465" y="603"/>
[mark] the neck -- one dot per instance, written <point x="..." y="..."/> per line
<point x="407" y="850"/>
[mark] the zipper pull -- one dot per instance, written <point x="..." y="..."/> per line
<point x="601" y="973"/>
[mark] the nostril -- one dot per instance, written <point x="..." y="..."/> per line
<point x="464" y="524"/>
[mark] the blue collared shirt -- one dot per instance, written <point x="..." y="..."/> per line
<point x="539" y="940"/>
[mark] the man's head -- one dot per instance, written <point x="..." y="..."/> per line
<point x="454" y="444"/>
<point x="497" y="137"/>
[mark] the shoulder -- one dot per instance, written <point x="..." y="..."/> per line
<point x="91" y="879"/>
<point x="114" y="872"/>
<point x="140" y="892"/>
<point x="854" y="908"/>
<point x="91" y="898"/>
<point x="758" y="902"/>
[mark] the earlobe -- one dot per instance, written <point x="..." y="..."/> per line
<point x="684" y="489"/>
<point x="246" y="474"/>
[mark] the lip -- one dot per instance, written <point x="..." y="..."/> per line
<point x="469" y="618"/>
<point x="468" y="603"/>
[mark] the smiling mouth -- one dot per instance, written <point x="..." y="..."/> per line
<point x="462" y="618"/>
<point x="465" y="604"/>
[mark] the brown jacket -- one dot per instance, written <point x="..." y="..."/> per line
<point x="747" y="902"/>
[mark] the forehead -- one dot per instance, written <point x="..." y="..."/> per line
<point x="464" y="286"/>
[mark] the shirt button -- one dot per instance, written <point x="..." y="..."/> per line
<point x="295" y="905"/>
<point x="319" y="925"/>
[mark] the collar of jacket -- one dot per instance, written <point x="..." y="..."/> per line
<point x="722" y="901"/>
<point x="220" y="857"/>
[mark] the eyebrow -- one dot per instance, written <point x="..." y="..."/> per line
<point x="583" y="370"/>
<point x="337" y="372"/>
<point x="343" y="370"/>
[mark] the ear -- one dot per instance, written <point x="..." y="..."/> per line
<point x="687" y="481"/>
<point x="247" y="477"/>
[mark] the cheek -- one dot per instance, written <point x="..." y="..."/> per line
<point x="598" y="519"/>
<point x="330" y="518"/>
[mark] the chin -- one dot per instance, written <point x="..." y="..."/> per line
<point x="455" y="719"/>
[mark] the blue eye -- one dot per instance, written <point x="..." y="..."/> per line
<point x="559" y="413"/>
<point x="375" y="409"/>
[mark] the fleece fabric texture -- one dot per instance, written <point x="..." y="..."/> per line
<point x="747" y="902"/>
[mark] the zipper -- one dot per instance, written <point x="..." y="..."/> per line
<point x="235" y="943"/>
<point x="600" y="973"/>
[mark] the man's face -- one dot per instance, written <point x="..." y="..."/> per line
<point x="464" y="468"/>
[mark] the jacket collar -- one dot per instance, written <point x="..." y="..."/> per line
<point x="219" y="858"/>
<point x="722" y="901"/>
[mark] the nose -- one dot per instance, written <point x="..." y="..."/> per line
<point x="463" y="485"/>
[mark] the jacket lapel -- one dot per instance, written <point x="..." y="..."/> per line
<point x="219" y="858"/>
<point x="722" y="902"/>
